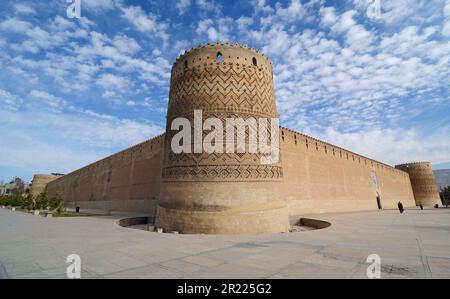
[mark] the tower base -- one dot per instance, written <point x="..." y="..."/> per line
<point x="223" y="222"/>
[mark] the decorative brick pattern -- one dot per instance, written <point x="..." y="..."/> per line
<point x="223" y="173"/>
<point x="221" y="90"/>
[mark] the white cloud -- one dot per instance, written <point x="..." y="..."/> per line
<point x="292" y="12"/>
<point x="61" y="24"/>
<point x="349" y="79"/>
<point x="36" y="38"/>
<point x="394" y="146"/>
<point x="183" y="6"/>
<point x="145" y="22"/>
<point x="110" y="81"/>
<point x="215" y="31"/>
<point x="179" y="47"/>
<point x="38" y="156"/>
<point x="359" y="38"/>
<point x="328" y="16"/>
<point x="97" y="5"/>
<point x="52" y="101"/>
<point x="9" y="101"/>
<point x="108" y="94"/>
<point x="447" y="9"/>
<point x="446" y="23"/>
<point x="243" y="23"/>
<point x="276" y="40"/>
<point x="261" y="6"/>
<point x="131" y="103"/>
<point x="101" y="47"/>
<point x="15" y="25"/>
<point x="24" y="9"/>
<point x="86" y="23"/>
<point x="209" y="6"/>
<point x="344" y="22"/>
<point x="204" y="25"/>
<point x="56" y="142"/>
<point x="126" y="44"/>
<point x="446" y="28"/>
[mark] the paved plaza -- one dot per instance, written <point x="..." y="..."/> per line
<point x="415" y="244"/>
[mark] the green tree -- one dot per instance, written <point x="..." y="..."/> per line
<point x="14" y="200"/>
<point x="445" y="195"/>
<point x="27" y="202"/>
<point x="41" y="201"/>
<point x="55" y="203"/>
<point x="4" y="200"/>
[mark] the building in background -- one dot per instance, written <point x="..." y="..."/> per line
<point x="2" y="188"/>
<point x="15" y="187"/>
<point x="442" y="178"/>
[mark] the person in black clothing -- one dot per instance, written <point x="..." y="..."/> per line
<point x="421" y="206"/>
<point x="400" y="207"/>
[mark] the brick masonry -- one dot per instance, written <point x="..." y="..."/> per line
<point x="231" y="193"/>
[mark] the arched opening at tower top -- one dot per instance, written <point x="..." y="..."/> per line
<point x="255" y="63"/>
<point x="219" y="57"/>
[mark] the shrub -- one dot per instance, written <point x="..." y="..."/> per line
<point x="14" y="200"/>
<point x="4" y="201"/>
<point x="41" y="201"/>
<point x="26" y="202"/>
<point x="55" y="203"/>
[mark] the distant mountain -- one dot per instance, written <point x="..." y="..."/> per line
<point x="442" y="177"/>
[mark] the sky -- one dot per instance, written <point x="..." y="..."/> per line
<point x="74" y="90"/>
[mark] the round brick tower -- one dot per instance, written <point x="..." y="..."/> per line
<point x="423" y="182"/>
<point x="220" y="193"/>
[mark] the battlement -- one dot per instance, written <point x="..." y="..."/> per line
<point x="224" y="53"/>
<point x="426" y="164"/>
<point x="328" y="148"/>
<point x="223" y="45"/>
<point x="123" y="154"/>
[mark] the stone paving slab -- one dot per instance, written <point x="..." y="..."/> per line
<point x="415" y="244"/>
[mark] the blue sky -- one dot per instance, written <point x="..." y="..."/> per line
<point x="75" y="90"/>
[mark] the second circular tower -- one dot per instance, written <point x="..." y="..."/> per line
<point x="423" y="182"/>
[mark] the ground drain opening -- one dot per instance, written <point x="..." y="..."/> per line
<point x="307" y="224"/>
<point x="141" y="223"/>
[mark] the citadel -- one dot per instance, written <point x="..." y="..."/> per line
<point x="232" y="192"/>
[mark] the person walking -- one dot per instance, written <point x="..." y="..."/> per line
<point x="400" y="207"/>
